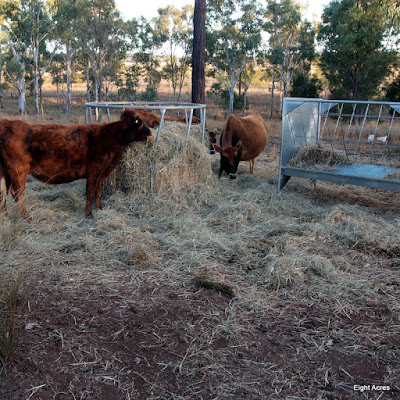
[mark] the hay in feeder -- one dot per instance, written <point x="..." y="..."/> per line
<point x="395" y="175"/>
<point x="175" y="162"/>
<point x="318" y="157"/>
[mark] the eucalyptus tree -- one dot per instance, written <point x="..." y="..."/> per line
<point x="146" y="41"/>
<point x="28" y="25"/>
<point x="3" y="50"/>
<point x="291" y="41"/>
<point x="67" y="13"/>
<point x="233" y="36"/>
<point x="354" y="58"/>
<point x="101" y="33"/>
<point x="175" y="27"/>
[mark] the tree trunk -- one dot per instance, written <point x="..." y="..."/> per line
<point x="271" y="110"/>
<point x="1" y="89"/>
<point x="68" y="60"/>
<point x="22" y="99"/>
<point x="199" y="34"/>
<point x="21" y="88"/>
<point x="35" y="46"/>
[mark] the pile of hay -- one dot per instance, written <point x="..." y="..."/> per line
<point x="395" y="175"/>
<point x="175" y="162"/>
<point x="318" y="157"/>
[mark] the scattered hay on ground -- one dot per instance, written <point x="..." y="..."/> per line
<point x="297" y="269"/>
<point x="226" y="289"/>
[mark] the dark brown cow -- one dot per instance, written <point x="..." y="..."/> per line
<point x="153" y="120"/>
<point x="64" y="153"/>
<point x="242" y="139"/>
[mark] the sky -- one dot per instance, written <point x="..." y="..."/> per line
<point x="148" y="8"/>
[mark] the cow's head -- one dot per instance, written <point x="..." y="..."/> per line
<point x="136" y="131"/>
<point x="230" y="158"/>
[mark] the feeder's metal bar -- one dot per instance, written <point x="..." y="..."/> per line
<point x="318" y="121"/>
<point x="202" y="123"/>
<point x="338" y="120"/>
<point x="162" y="111"/>
<point x="189" y="123"/>
<point x="390" y="129"/>
<point x="351" y="120"/>
<point x="326" y="119"/>
<point x="361" y="130"/>
<point x="153" y="105"/>
<point x="376" y="130"/>
<point x="341" y="178"/>
<point x="377" y="121"/>
<point x="341" y="131"/>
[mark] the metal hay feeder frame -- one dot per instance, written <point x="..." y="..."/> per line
<point x="367" y="132"/>
<point x="162" y="107"/>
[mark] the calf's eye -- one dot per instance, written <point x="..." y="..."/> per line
<point x="136" y="121"/>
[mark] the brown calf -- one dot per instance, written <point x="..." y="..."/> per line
<point x="64" y="153"/>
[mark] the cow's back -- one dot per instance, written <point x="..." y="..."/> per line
<point x="52" y="153"/>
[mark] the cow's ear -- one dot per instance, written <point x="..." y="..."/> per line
<point x="217" y="147"/>
<point x="238" y="145"/>
<point x="123" y="113"/>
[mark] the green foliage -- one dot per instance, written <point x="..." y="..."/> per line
<point x="147" y="40"/>
<point x="233" y="35"/>
<point x="150" y="94"/>
<point x="354" y="59"/>
<point x="175" y="27"/>
<point x="128" y="84"/>
<point x="220" y="96"/>
<point x="393" y="90"/>
<point x="305" y="85"/>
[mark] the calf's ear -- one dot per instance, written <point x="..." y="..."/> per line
<point x="217" y="147"/>
<point x="238" y="145"/>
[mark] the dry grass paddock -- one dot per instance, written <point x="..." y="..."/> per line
<point x="219" y="290"/>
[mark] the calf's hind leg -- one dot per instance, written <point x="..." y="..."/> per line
<point x="252" y="163"/>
